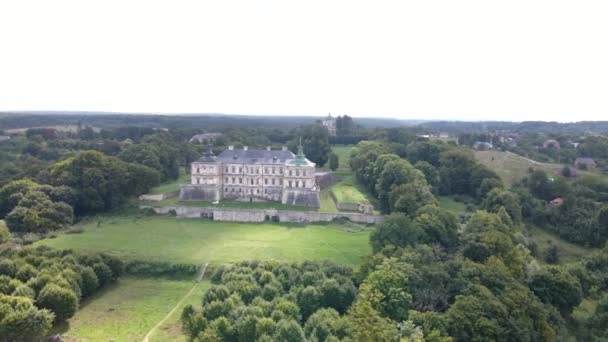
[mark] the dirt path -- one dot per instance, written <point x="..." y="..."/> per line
<point x="198" y="280"/>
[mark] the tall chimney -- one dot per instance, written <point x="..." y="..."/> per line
<point x="245" y="148"/>
<point x="230" y="147"/>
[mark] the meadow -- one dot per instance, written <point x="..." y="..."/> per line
<point x="343" y="152"/>
<point x="196" y="241"/>
<point x="512" y="167"/>
<point x="130" y="308"/>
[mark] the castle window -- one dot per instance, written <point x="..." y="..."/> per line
<point x="290" y="184"/>
<point x="281" y="170"/>
<point x="266" y="170"/>
<point x="273" y="181"/>
<point x="233" y="169"/>
<point x="298" y="173"/>
<point x="290" y="172"/>
<point x="273" y="170"/>
<point x="225" y="189"/>
<point x="257" y="191"/>
<point x="226" y="181"/>
<point x="198" y="170"/>
<point x="266" y="181"/>
<point x="226" y="169"/>
<point x="240" y="180"/>
<point x="240" y="169"/>
<point x="251" y="181"/>
<point x="198" y="180"/>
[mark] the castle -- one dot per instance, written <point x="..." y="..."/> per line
<point x="252" y="176"/>
<point x="330" y="123"/>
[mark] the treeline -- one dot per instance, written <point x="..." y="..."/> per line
<point x="41" y="287"/>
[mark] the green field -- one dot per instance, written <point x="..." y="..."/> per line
<point x="343" y="152"/>
<point x="347" y="191"/>
<point x="327" y="203"/>
<point x="196" y="240"/>
<point x="127" y="310"/>
<point x="451" y="205"/>
<point x="512" y="167"/>
<point x="568" y="252"/>
<point x="171" y="185"/>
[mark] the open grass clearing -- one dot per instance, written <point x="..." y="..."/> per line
<point x="327" y="203"/>
<point x="348" y="191"/>
<point x="568" y="252"/>
<point x="513" y="168"/>
<point x="343" y="152"/>
<point x="128" y="309"/>
<point x="164" y="238"/>
<point x="449" y="204"/>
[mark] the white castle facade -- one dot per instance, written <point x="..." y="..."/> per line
<point x="253" y="175"/>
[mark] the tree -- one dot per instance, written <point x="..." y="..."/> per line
<point x="498" y="198"/>
<point x="397" y="230"/>
<point x="309" y="300"/>
<point x="289" y="330"/>
<point x="555" y="286"/>
<point x="431" y="174"/>
<point x="9" y="194"/>
<point x="386" y="289"/>
<point x="90" y="283"/>
<point x="455" y="171"/>
<point x="334" y="162"/>
<point x="408" y="198"/>
<point x="5" y="235"/>
<point x="539" y="186"/>
<point x="20" y="320"/>
<point x="394" y="173"/>
<point x="367" y="324"/>
<point x="439" y="225"/>
<point x="315" y="140"/>
<point x="62" y="302"/>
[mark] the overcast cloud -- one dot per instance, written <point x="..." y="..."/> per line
<point x="498" y="60"/>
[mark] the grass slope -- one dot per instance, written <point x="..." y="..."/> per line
<point x="347" y="191"/>
<point x="568" y="252"/>
<point x="197" y="240"/>
<point x="512" y="167"/>
<point x="171" y="185"/>
<point x="343" y="152"/>
<point x="127" y="310"/>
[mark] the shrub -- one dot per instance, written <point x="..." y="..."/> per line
<point x="62" y="302"/>
<point x="5" y="235"/>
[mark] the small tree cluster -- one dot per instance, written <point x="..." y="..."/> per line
<point x="41" y="286"/>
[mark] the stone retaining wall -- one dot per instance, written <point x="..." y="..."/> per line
<point x="262" y="215"/>
<point x="159" y="197"/>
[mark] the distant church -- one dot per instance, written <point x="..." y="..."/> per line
<point x="330" y="123"/>
<point x="253" y="175"/>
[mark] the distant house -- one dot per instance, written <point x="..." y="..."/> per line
<point x="205" y="138"/>
<point x="4" y="138"/>
<point x="551" y="143"/>
<point x="482" y="146"/>
<point x="330" y="123"/>
<point x="585" y="163"/>
<point x="556" y="202"/>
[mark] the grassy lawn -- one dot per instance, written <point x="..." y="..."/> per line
<point x="233" y="204"/>
<point x="327" y="203"/>
<point x="171" y="185"/>
<point x="347" y="191"/>
<point x="196" y="240"/>
<point x="568" y="252"/>
<point x="171" y="329"/>
<point x="512" y="167"/>
<point x="343" y="152"/>
<point x="127" y="310"/>
<point x="450" y="205"/>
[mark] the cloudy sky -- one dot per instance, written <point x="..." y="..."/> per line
<point x="498" y="60"/>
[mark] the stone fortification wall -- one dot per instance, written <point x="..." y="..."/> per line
<point x="159" y="197"/>
<point x="199" y="193"/>
<point x="261" y="215"/>
<point x="308" y="198"/>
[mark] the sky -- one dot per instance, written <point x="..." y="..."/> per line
<point x="454" y="60"/>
